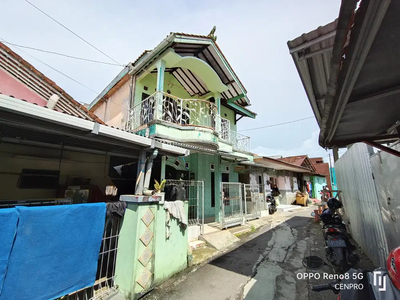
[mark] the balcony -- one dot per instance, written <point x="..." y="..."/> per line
<point x="239" y="141"/>
<point x="162" y="108"/>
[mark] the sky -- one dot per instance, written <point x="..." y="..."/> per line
<point x="253" y="36"/>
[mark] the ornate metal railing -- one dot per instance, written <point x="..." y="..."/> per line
<point x="164" y="107"/>
<point x="142" y="114"/>
<point x="225" y="129"/>
<point x="239" y="141"/>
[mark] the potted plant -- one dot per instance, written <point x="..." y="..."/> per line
<point x="158" y="188"/>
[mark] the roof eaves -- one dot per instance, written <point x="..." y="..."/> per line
<point x="283" y="163"/>
<point x="50" y="83"/>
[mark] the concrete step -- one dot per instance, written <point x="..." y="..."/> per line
<point x="284" y="207"/>
<point x="197" y="244"/>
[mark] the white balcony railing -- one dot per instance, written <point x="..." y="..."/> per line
<point x="239" y="141"/>
<point x="164" y="107"/>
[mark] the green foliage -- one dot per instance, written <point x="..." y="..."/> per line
<point x="158" y="187"/>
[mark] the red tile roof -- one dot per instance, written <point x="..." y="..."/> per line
<point x="294" y="160"/>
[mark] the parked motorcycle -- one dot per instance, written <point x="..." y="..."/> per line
<point x="340" y="252"/>
<point x="272" y="204"/>
<point x="353" y="286"/>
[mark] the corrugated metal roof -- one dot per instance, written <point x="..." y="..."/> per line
<point x="311" y="53"/>
<point x="19" y="68"/>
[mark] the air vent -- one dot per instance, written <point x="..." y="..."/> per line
<point x="145" y="88"/>
<point x="212" y="167"/>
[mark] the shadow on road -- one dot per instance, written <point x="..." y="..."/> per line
<point x="243" y="259"/>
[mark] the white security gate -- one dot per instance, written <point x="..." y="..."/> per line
<point x="252" y="201"/>
<point x="191" y="191"/>
<point x="232" y="209"/>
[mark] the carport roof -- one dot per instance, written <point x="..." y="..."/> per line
<point x="362" y="100"/>
<point x="25" y="122"/>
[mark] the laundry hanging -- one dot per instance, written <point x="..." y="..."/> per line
<point x="55" y="251"/>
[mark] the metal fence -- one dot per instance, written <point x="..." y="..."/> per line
<point x="104" y="284"/>
<point x="387" y="182"/>
<point x="253" y="201"/>
<point x="191" y="191"/>
<point x="361" y="206"/>
<point x="232" y="209"/>
<point x="105" y="276"/>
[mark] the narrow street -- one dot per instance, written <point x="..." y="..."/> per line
<point x="263" y="267"/>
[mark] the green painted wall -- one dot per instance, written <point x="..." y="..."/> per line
<point x="150" y="82"/>
<point x="169" y="256"/>
<point x="130" y="248"/>
<point x="229" y="114"/>
<point x="318" y="183"/>
<point x="190" y="136"/>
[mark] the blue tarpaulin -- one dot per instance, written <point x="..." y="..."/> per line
<point x="55" y="251"/>
<point x="8" y="223"/>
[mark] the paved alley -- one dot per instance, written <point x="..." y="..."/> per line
<point x="263" y="267"/>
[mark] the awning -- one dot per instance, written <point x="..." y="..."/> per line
<point x="362" y="100"/>
<point x="26" y="123"/>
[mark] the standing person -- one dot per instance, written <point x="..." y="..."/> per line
<point x="276" y="194"/>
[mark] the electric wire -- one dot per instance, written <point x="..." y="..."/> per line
<point x="62" y="54"/>
<point x="65" y="27"/>
<point x="278" y="124"/>
<point x="70" y="78"/>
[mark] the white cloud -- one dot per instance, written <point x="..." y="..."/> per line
<point x="309" y="147"/>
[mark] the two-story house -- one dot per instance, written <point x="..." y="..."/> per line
<point x="184" y="92"/>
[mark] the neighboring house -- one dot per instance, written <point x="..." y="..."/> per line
<point x="314" y="177"/>
<point x="21" y="80"/>
<point x="288" y="177"/>
<point x="43" y="165"/>
<point x="184" y="92"/>
<point x="53" y="151"/>
<point x="322" y="169"/>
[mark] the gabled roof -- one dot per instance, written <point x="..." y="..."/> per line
<point x="201" y="47"/>
<point x="24" y="72"/>
<point x="277" y="164"/>
<point x="300" y="160"/>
